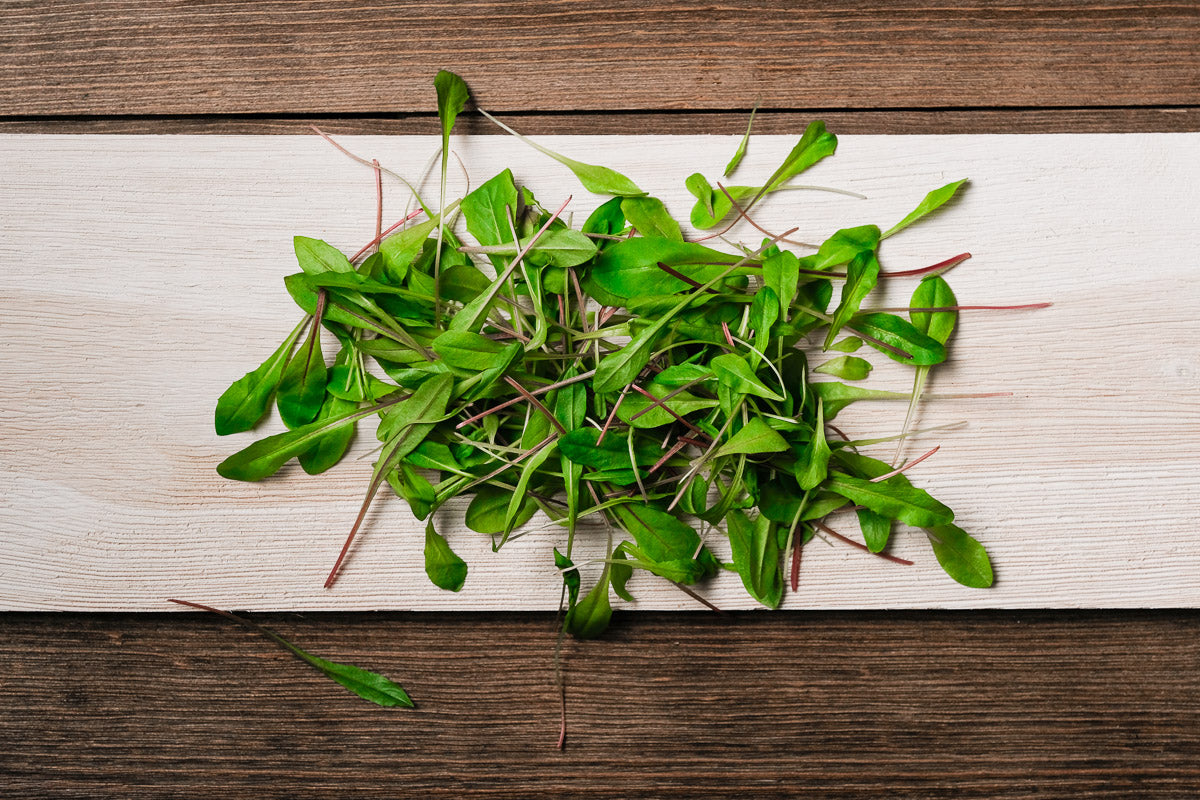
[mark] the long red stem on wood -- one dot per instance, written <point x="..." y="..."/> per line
<point x="861" y="546"/>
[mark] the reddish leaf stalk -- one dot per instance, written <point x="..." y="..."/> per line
<point x="861" y="546"/>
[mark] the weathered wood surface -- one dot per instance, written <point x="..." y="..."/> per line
<point x="1012" y="704"/>
<point x="129" y="57"/>
<point x="842" y="705"/>
<point x="165" y="286"/>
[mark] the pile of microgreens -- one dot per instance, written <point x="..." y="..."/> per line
<point x="618" y="371"/>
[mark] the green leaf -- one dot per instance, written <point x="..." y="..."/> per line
<point x="754" y="438"/>
<point x="488" y="510"/>
<point x="899" y="332"/>
<point x="452" y="96"/>
<point x="837" y="396"/>
<point x="892" y="499"/>
<point x="932" y="202"/>
<point x="702" y="190"/>
<point x="848" y="345"/>
<point x="876" y="529"/>
<point x="301" y="389"/>
<point x="618" y="370"/>
<point x="764" y="311"/>
<point x="570" y="577"/>
<point x="650" y="217"/>
<point x="596" y="179"/>
<point x="636" y="405"/>
<point x="401" y="249"/>
<point x="781" y="274"/>
<point x="557" y="247"/>
<point x="426" y="406"/>
<point x="934" y="293"/>
<point x="367" y="685"/>
<point x="661" y="535"/>
<point x="414" y="489"/>
<point x="620" y="572"/>
<point x="489" y="211"/>
<point x="962" y="557"/>
<point x="861" y="276"/>
<point x="591" y="615"/>
<point x="733" y="372"/>
<point x="245" y="402"/>
<point x="466" y="350"/>
<point x="741" y="148"/>
<point x="813" y="466"/>
<point x="442" y="565"/>
<point x="816" y="144"/>
<point x="266" y="456"/>
<point x="848" y="368"/>
<point x="329" y="449"/>
<point x="608" y="219"/>
<point x="629" y="268"/>
<point x="843" y="246"/>
<point x="756" y="557"/>
<point x="316" y="256"/>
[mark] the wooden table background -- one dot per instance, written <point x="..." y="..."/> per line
<point x="1018" y="704"/>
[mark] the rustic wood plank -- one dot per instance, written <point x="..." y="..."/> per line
<point x="929" y="705"/>
<point x="1078" y="120"/>
<point x="330" y="56"/>
<point x="170" y="249"/>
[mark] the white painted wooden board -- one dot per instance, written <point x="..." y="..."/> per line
<point x="141" y="275"/>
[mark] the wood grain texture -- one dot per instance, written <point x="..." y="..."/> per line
<point x="866" y="121"/>
<point x="128" y="57"/>
<point x="932" y="705"/>
<point x="165" y="289"/>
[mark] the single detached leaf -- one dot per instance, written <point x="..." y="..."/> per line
<point x="961" y="556"/>
<point x="848" y="345"/>
<point x="596" y="179"/>
<point x="442" y="565"/>
<point x="245" y="402"/>
<point x="932" y="202"/>
<point x="816" y="144"/>
<point x="366" y="684"/>
<point x="741" y="148"/>
<point x="755" y="437"/>
<point x="892" y="499"/>
<point x="848" y="368"/>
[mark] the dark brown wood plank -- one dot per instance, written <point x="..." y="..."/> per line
<point x="346" y="56"/>
<point x="963" y="705"/>
<point x="1124" y="120"/>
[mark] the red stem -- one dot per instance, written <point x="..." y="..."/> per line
<point x="941" y="266"/>
<point x="861" y="546"/>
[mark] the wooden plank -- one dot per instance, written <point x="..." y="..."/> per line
<point x="909" y="121"/>
<point x="851" y="705"/>
<point x="331" y="56"/>
<point x="145" y="274"/>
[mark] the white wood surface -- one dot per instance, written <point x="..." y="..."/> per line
<point x="142" y="275"/>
